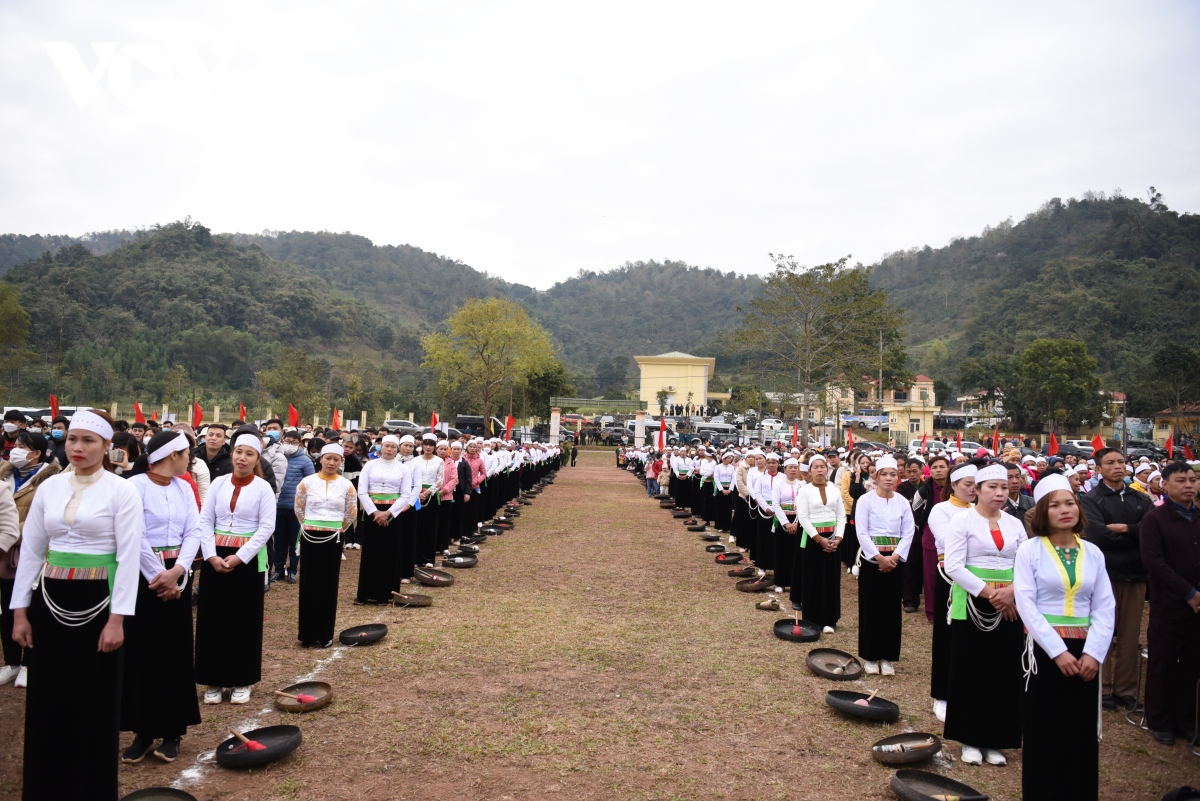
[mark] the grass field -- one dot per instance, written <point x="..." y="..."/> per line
<point x="597" y="652"/>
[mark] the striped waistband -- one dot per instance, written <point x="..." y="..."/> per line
<point x="227" y="539"/>
<point x="167" y="552"/>
<point x="825" y="528"/>
<point x="76" y="573"/>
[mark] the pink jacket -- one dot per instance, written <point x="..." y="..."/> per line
<point x="478" y="470"/>
<point x="449" y="478"/>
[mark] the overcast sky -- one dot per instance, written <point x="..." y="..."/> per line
<point x="533" y="140"/>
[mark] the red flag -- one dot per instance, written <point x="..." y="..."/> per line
<point x="241" y="411"/>
<point x="795" y="434"/>
<point x="958" y="441"/>
<point x="138" y="417"/>
<point x="1187" y="451"/>
<point x="336" y="422"/>
<point x="1097" y="442"/>
<point x="154" y="415"/>
<point x="293" y="417"/>
<point x="1171" y="446"/>
<point x="1052" y="448"/>
<point x="849" y="438"/>
<point x="995" y="441"/>
<point x="662" y="433"/>
<point x="197" y="415"/>
<point x="53" y="407"/>
<point x="433" y="420"/>
<point x="924" y="437"/>
<point x="508" y="424"/>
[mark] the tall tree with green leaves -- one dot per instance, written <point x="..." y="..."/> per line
<point x="1059" y="383"/>
<point x="484" y="348"/>
<point x="815" y="325"/>
<point x="298" y="379"/>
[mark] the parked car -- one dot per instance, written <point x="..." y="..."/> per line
<point x="970" y="447"/>
<point x="1069" y="449"/>
<point x="402" y="426"/>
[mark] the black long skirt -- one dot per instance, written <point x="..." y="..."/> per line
<point x="939" y="674"/>
<point x="74" y="696"/>
<point x="708" y="502"/>
<point x="427" y="531"/>
<point x="785" y="555"/>
<point x="819" y="582"/>
<point x="229" y="625"/>
<point x="320" y="573"/>
<point x="697" y="496"/>
<point x="380" y="561"/>
<point x="879" y="613"/>
<point x="1060" y="760"/>
<point x="406" y="551"/>
<point x="747" y="529"/>
<point x="445" y="529"/>
<point x="764" y="542"/>
<point x="158" y="696"/>
<point x="683" y="489"/>
<point x="722" y="516"/>
<point x="983" y="700"/>
<point x="466" y="514"/>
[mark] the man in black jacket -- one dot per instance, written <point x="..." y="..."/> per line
<point x="1171" y="552"/>
<point x="1114" y="515"/>
<point x="215" y="452"/>
<point x="1017" y="503"/>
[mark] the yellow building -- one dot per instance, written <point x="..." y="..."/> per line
<point x="680" y="374"/>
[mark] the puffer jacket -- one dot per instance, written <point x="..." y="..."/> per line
<point x="298" y="466"/>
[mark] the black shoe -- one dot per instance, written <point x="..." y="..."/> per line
<point x="137" y="751"/>
<point x="168" y="750"/>
<point x="910" y="609"/>
<point x="1108" y="702"/>
<point x="1129" y="702"/>
<point x="291" y="578"/>
<point x="795" y="606"/>
<point x="274" y="577"/>
<point x="1164" y="737"/>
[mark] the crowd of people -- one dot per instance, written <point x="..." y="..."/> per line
<point x="103" y="524"/>
<point x="1034" y="572"/>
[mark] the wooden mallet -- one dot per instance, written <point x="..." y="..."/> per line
<point x="251" y="745"/>
<point x="300" y="697"/>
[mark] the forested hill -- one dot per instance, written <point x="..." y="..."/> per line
<point x="180" y="295"/>
<point x="643" y="308"/>
<point x="1116" y="273"/>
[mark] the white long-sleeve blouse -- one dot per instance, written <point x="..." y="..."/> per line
<point x="970" y="543"/>
<point x="386" y="477"/>
<point x="811" y="510"/>
<point x="1040" y="589"/>
<point x="883" y="517"/>
<point x="108" y="519"/>
<point x="254" y="515"/>
<point x="172" y="521"/>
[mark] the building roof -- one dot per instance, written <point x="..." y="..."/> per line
<point x="924" y="379"/>
<point x="675" y="354"/>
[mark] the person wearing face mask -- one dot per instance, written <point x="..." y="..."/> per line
<point x="298" y="466"/>
<point x="273" y="453"/>
<point x="80" y="547"/>
<point x="27" y="467"/>
<point x="14" y="421"/>
<point x="58" y="440"/>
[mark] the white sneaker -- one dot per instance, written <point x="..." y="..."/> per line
<point x="22" y="679"/>
<point x="8" y="673"/>
<point x="241" y="695"/>
<point x="358" y="546"/>
<point x="777" y="588"/>
<point x="406" y="581"/>
<point x="827" y="630"/>
<point x="885" y="667"/>
<point x="427" y="564"/>
<point x="212" y="695"/>
<point x="343" y="557"/>
<point x="871" y="667"/>
<point x="939" y="710"/>
<point x="972" y="755"/>
<point x="994" y="757"/>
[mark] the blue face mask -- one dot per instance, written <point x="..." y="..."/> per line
<point x="58" y="433"/>
<point x="273" y="436"/>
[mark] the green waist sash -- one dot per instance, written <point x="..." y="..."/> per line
<point x="384" y="496"/>
<point x="86" y="561"/>
<point x="262" y="552"/>
<point x="958" y="596"/>
<point x="332" y="525"/>
<point x="822" y="528"/>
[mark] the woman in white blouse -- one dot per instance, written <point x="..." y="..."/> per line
<point x="381" y="485"/>
<point x="158" y="699"/>
<point x="764" y="534"/>
<point x="940" y="521"/>
<point x="1066" y="601"/>
<point x="784" y="495"/>
<point x="883" y="522"/>
<point x="428" y="473"/>
<point x="708" y="502"/>
<point x="816" y="570"/>
<point x="79" y="549"/>
<point x="726" y="490"/>
<point x="326" y="505"/>
<point x="239" y="514"/>
<point x="983" y="698"/>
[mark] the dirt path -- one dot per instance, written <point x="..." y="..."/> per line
<point x="597" y="652"/>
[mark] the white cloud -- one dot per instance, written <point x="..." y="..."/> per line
<point x="532" y="140"/>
